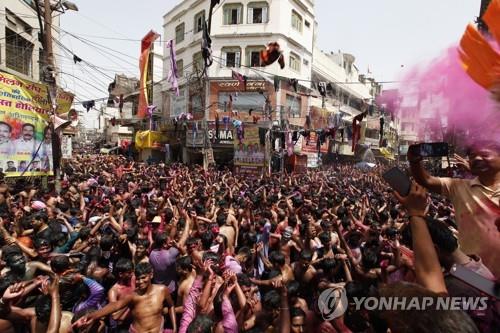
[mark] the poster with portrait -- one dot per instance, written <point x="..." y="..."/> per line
<point x="249" y="155"/>
<point x="25" y="138"/>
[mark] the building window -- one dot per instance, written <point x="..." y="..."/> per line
<point x="253" y="55"/>
<point x="180" y="67"/>
<point x="244" y="102"/>
<point x="233" y="13"/>
<point x="307" y="24"/>
<point x="296" y="21"/>
<point x="295" y="62"/>
<point x="258" y="12"/>
<point x="305" y="62"/>
<point x="18" y="53"/>
<point x="179" y="33"/>
<point x="231" y="56"/>
<point x="199" y="19"/>
<point x="293" y="105"/>
<point x="198" y="62"/>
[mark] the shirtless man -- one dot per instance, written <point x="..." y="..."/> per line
<point x="17" y="265"/>
<point x="229" y="227"/>
<point x="140" y="251"/>
<point x="187" y="275"/>
<point x="123" y="287"/>
<point x="146" y="304"/>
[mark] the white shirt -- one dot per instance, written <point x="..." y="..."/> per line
<point x="26" y="147"/>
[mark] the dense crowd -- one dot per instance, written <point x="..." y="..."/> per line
<point x="132" y="247"/>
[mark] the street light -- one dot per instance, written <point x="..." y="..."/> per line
<point x="69" y="5"/>
<point x="62" y="5"/>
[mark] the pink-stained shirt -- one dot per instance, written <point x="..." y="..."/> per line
<point x="190" y="304"/>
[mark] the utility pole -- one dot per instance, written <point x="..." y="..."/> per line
<point x="49" y="78"/>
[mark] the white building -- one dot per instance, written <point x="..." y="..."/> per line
<point x="239" y="31"/>
<point x="20" y="48"/>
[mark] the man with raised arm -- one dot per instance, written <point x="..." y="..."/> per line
<point x="146" y="304"/>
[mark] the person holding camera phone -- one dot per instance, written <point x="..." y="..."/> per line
<point x="476" y="201"/>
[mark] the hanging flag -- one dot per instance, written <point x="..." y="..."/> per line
<point x="173" y="73"/>
<point x="356" y="129"/>
<point x="271" y="54"/>
<point x="88" y="105"/>
<point x="144" y="65"/>
<point x="241" y="78"/>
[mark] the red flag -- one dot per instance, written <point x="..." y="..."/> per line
<point x="146" y="43"/>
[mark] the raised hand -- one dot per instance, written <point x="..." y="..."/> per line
<point x="416" y="202"/>
<point x="13" y="292"/>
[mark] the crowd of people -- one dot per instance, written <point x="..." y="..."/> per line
<point x="132" y="247"/>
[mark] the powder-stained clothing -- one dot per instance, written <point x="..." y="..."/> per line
<point x="163" y="262"/>
<point x="477" y="211"/>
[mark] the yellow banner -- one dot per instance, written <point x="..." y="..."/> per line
<point x="24" y="135"/>
<point x="149" y="140"/>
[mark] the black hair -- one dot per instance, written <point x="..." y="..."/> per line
<point x="277" y="258"/>
<point x="184" y="263"/>
<point x="271" y="300"/>
<point x="369" y="258"/>
<point x="28" y="125"/>
<point x="59" y="264"/>
<point x="293" y="288"/>
<point x="209" y="255"/>
<point x="40" y="216"/>
<point x="441" y="236"/>
<point x="159" y="240"/>
<point x="328" y="264"/>
<point x="143" y="242"/>
<point x="221" y="219"/>
<point x="297" y="312"/>
<point x="341" y="212"/>
<point x="324" y="238"/>
<point x="123" y="265"/>
<point x="143" y="268"/>
<point x="84" y="233"/>
<point x="206" y="239"/>
<point x="306" y="255"/>
<point x="57" y="238"/>
<point x="243" y="280"/>
<point x="8" y="250"/>
<point x="106" y="243"/>
<point x="201" y="324"/>
<point x="6" y="124"/>
<point x="42" y="309"/>
<point x="394" y="213"/>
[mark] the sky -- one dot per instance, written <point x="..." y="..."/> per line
<point x="386" y="36"/>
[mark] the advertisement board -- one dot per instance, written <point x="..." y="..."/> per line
<point x="249" y="156"/>
<point x="25" y="138"/>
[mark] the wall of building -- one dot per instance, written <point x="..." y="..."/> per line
<point x="244" y="36"/>
<point x="21" y="18"/>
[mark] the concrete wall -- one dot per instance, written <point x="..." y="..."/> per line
<point x="23" y="17"/>
<point x="277" y="29"/>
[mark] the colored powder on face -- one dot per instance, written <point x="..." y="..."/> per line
<point x="440" y="97"/>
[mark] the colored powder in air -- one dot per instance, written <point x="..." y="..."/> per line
<point x="440" y="97"/>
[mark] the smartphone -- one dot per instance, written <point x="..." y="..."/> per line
<point x="431" y="149"/>
<point x="475" y="280"/>
<point x="398" y="180"/>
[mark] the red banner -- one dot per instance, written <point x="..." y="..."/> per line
<point x="146" y="43"/>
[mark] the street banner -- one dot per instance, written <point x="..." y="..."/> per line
<point x="223" y="138"/>
<point x="149" y="140"/>
<point x="24" y="134"/>
<point x="145" y="86"/>
<point x="66" y="147"/>
<point x="311" y="145"/>
<point x="249" y="154"/>
<point x="319" y="118"/>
